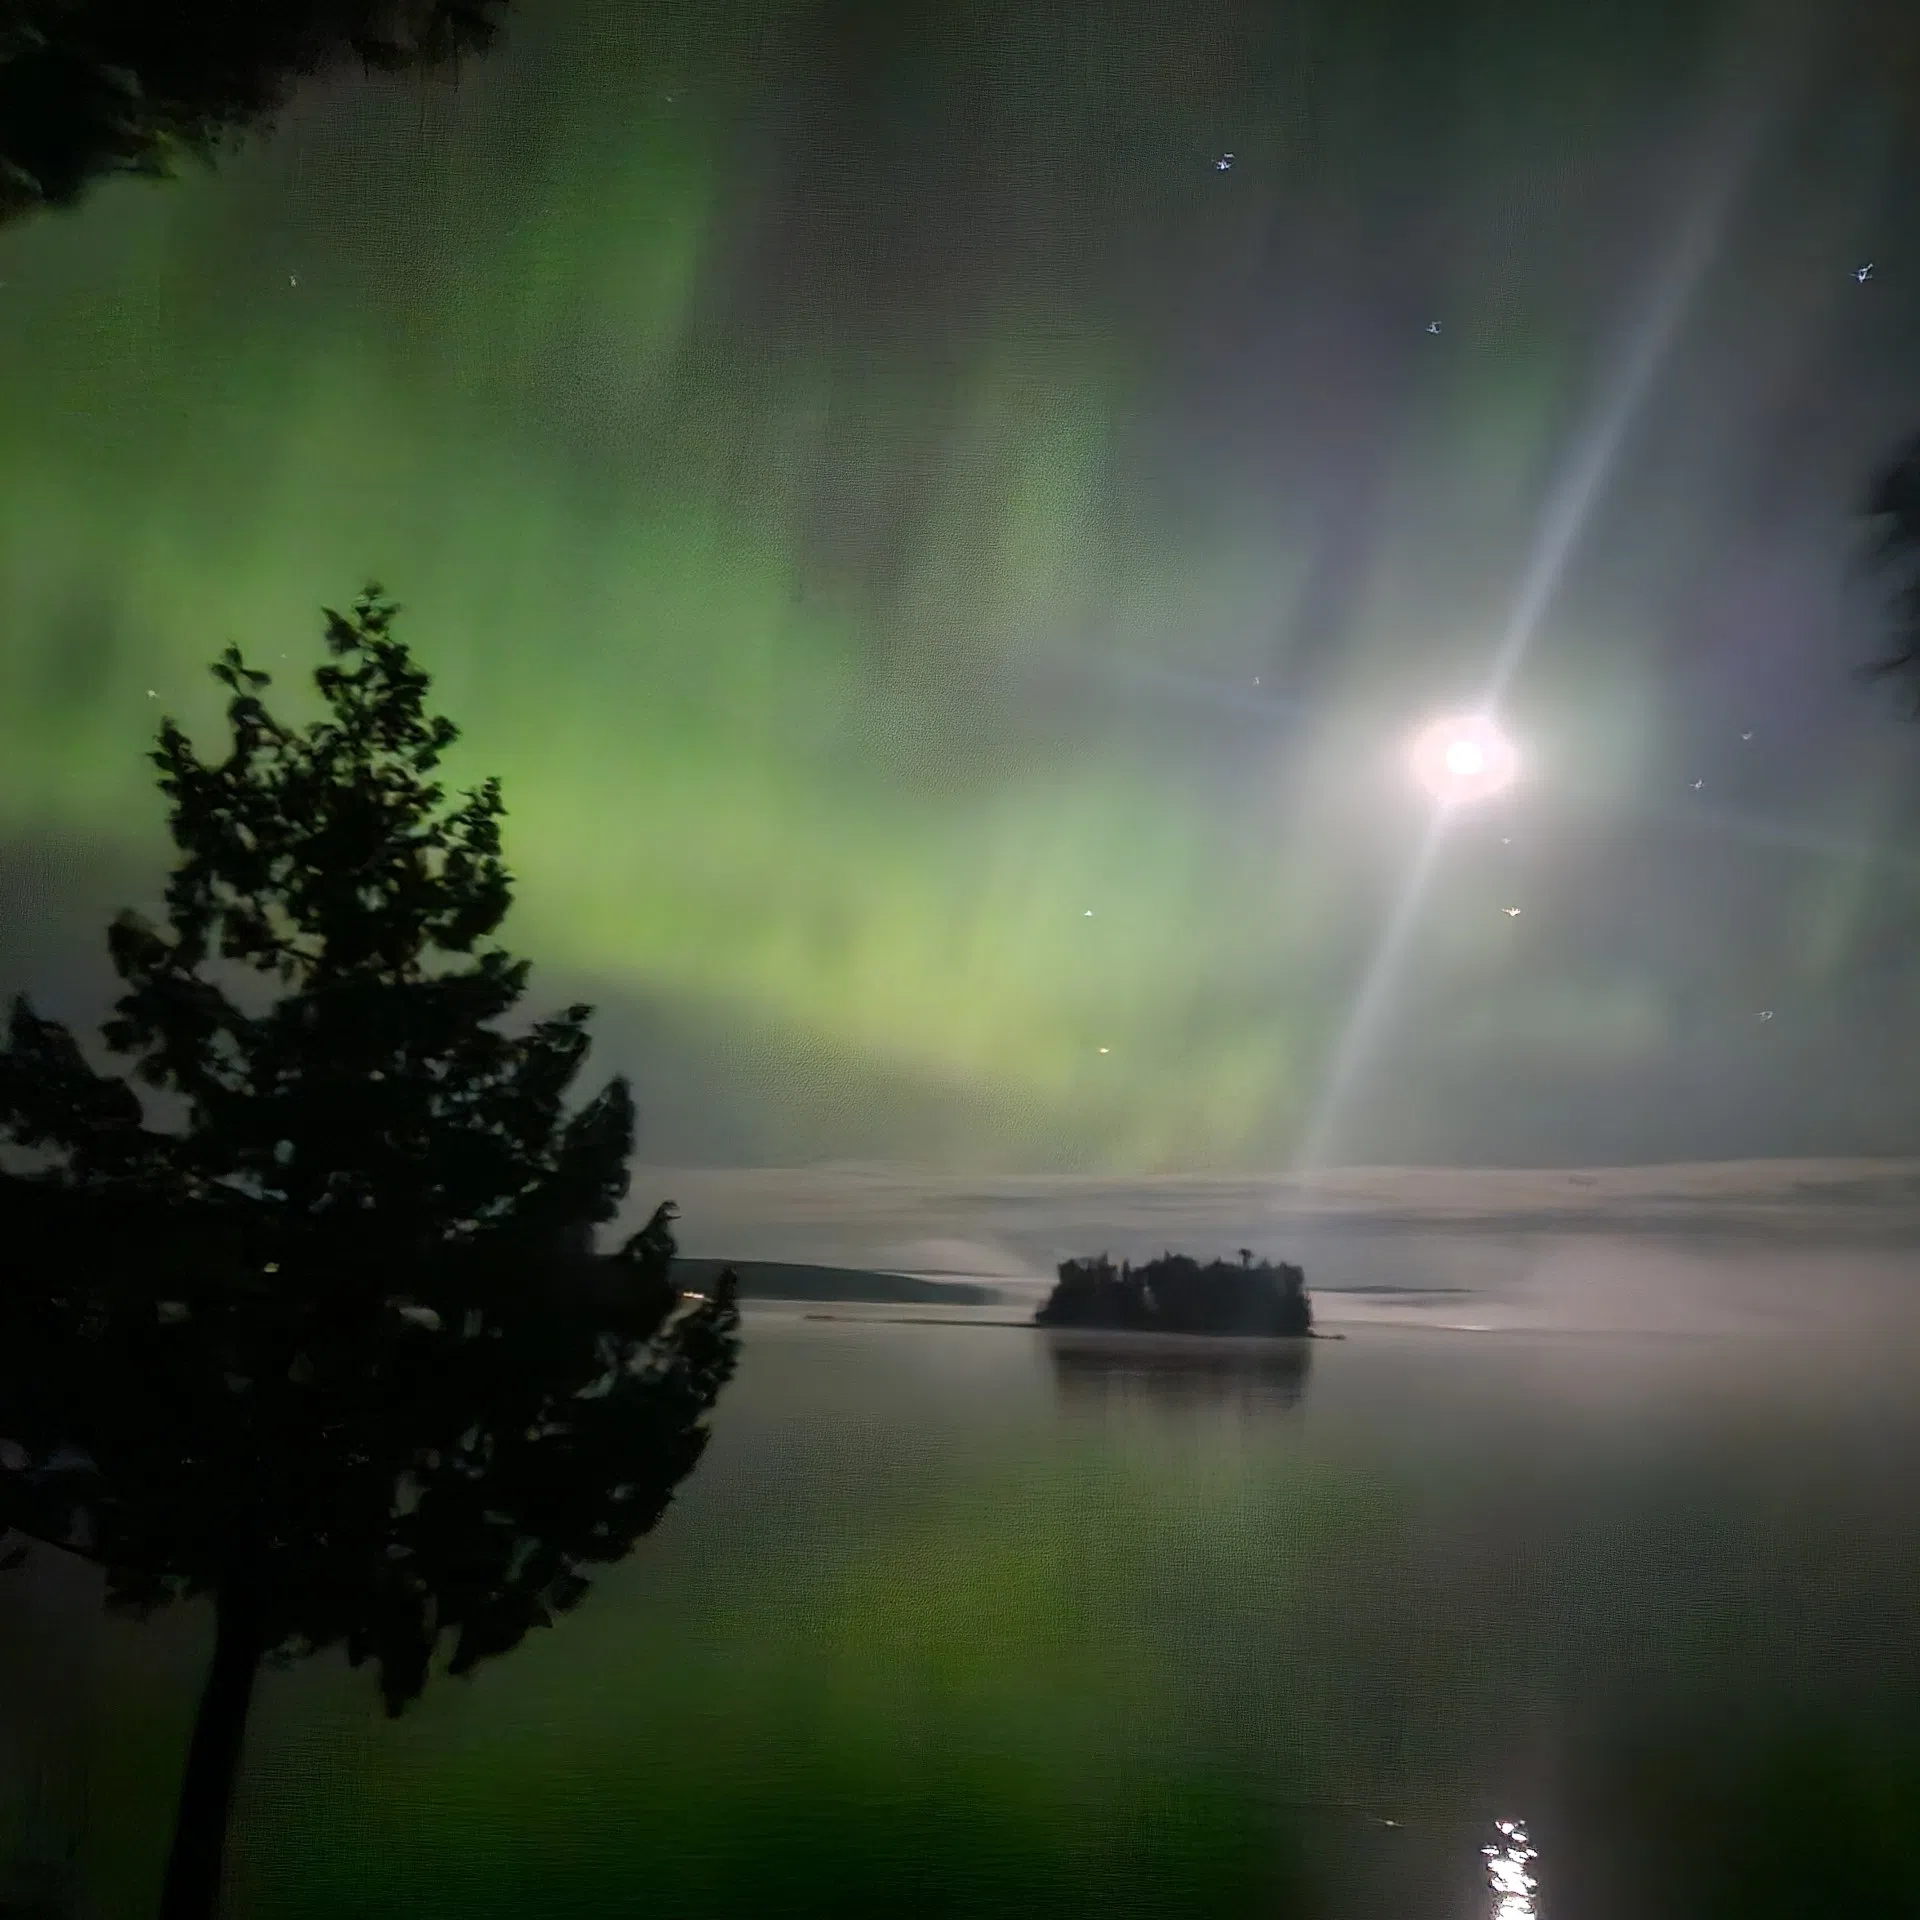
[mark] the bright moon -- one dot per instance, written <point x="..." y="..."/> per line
<point x="1464" y="758"/>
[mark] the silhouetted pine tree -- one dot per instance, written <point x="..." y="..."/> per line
<point x="333" y="1348"/>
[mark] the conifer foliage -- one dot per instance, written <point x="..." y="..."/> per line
<point x="332" y="1345"/>
<point x="90" y="89"/>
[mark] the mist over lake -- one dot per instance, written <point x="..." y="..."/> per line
<point x="966" y="1617"/>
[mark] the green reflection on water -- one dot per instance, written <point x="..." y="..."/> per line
<point x="946" y="1716"/>
<point x="936" y="1631"/>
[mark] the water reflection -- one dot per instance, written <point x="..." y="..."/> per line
<point x="1178" y="1371"/>
<point x="1514" y="1887"/>
<point x="42" y="1813"/>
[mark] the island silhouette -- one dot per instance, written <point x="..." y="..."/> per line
<point x="1176" y="1294"/>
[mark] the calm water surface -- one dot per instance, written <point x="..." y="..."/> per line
<point x="954" y="1621"/>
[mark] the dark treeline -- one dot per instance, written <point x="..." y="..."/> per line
<point x="1176" y="1294"/>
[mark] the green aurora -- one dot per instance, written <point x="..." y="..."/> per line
<point x="850" y="502"/>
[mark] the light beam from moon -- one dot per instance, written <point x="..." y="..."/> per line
<point x="1569" y="509"/>
<point x="1366" y="1015"/>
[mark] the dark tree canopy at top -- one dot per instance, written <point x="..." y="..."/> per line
<point x="94" y="88"/>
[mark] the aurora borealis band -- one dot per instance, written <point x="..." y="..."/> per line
<point x="946" y="569"/>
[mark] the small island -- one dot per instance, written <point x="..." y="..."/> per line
<point x="1176" y="1294"/>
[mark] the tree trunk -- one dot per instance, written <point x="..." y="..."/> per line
<point x="213" y="1764"/>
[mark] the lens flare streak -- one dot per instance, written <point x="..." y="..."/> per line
<point x="1569" y="508"/>
<point x="1366" y="1015"/>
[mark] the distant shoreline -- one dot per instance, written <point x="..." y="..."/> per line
<point x="796" y="1280"/>
<point x="1088" y="1336"/>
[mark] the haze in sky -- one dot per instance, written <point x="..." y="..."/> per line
<point x="948" y="520"/>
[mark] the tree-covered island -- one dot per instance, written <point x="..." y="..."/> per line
<point x="1176" y="1294"/>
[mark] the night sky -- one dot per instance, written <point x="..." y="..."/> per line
<point x="945" y="518"/>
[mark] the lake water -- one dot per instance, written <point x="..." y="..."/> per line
<point x="957" y="1621"/>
